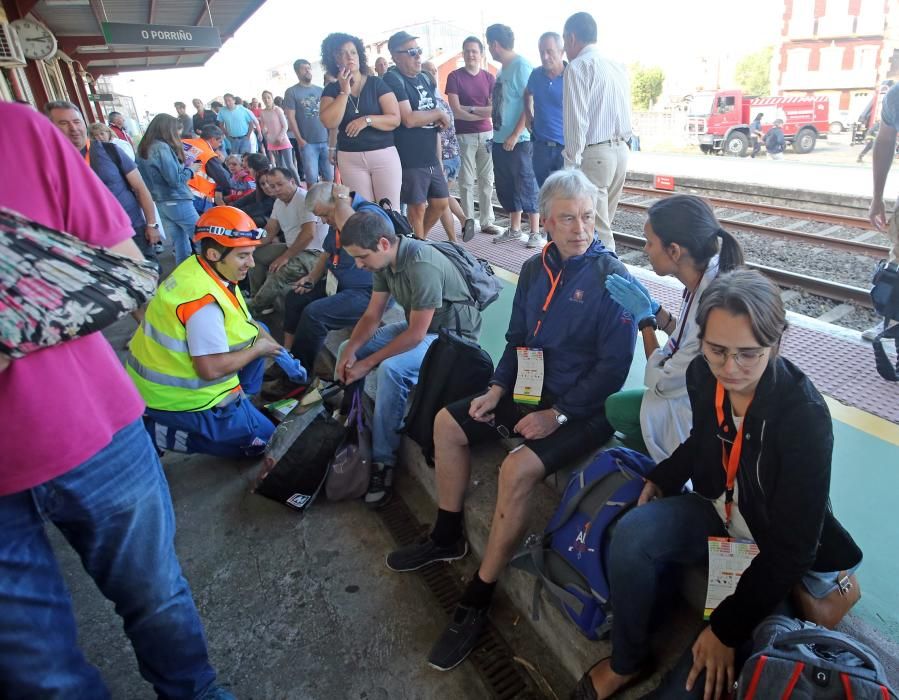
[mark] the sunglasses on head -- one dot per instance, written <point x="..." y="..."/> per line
<point x="414" y="52"/>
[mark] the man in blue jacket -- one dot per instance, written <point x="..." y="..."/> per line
<point x="568" y="347"/>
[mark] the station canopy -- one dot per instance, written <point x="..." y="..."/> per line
<point x="79" y="29"/>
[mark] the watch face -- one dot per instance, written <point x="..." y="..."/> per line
<point x="37" y="41"/>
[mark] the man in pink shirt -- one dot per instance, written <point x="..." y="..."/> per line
<point x="469" y="93"/>
<point x="75" y="453"/>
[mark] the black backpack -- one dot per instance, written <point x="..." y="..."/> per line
<point x="401" y="225"/>
<point x="298" y="476"/>
<point x="885" y="296"/>
<point x="453" y="368"/>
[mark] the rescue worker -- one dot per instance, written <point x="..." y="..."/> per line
<point x="199" y="353"/>
<point x="210" y="181"/>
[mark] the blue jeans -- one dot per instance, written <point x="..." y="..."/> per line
<point x="343" y="310"/>
<point x="179" y="217"/>
<point x="648" y="542"/>
<point x="237" y="429"/>
<point x="395" y="376"/>
<point x="316" y="163"/>
<point x="546" y="160"/>
<point x="240" y="144"/>
<point x="116" y="512"/>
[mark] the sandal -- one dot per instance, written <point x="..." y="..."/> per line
<point x="584" y="689"/>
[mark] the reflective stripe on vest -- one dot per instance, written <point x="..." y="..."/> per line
<point x="160" y="363"/>
<point x="201" y="184"/>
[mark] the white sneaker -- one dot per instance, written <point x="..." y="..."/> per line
<point x="874" y="331"/>
<point x="507" y="235"/>
<point x="491" y="229"/>
<point x="536" y="240"/>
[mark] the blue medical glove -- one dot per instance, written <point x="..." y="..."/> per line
<point x="292" y="367"/>
<point x="655" y="304"/>
<point x="632" y="296"/>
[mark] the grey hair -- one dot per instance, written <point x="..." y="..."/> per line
<point x="61" y="104"/>
<point x="550" y="35"/>
<point x="565" y="184"/>
<point x="746" y="293"/>
<point x="319" y="193"/>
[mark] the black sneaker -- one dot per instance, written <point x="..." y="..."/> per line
<point x="459" y="638"/>
<point x="380" y="488"/>
<point x="425" y="551"/>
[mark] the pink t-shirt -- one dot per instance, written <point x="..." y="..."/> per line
<point x="62" y="405"/>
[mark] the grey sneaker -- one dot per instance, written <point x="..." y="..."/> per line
<point x="536" y="240"/>
<point x="380" y="487"/>
<point x="491" y="229"/>
<point x="507" y="235"/>
<point x="425" y="551"/>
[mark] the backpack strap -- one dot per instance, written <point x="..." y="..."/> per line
<point x="535" y="563"/>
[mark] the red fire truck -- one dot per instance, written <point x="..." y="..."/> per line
<point x="719" y="121"/>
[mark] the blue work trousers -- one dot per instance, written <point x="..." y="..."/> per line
<point x="237" y="429"/>
<point x="342" y="310"/>
<point x="116" y="512"/>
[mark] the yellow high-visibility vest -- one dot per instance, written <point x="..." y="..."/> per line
<point x="159" y="362"/>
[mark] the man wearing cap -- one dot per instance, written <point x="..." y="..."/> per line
<point x="198" y="352"/>
<point x="424" y="188"/>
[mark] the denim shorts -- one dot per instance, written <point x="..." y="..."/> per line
<point x="451" y="167"/>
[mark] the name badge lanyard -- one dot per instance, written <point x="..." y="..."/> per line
<point x="554" y="282"/>
<point x="87" y="153"/>
<point x="729" y="460"/>
<point x="335" y="259"/>
<point x="684" y="315"/>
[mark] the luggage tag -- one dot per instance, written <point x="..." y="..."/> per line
<point x="529" y="382"/>
<point x="728" y="559"/>
<point x="331" y="284"/>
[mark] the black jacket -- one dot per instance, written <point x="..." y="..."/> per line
<point x="784" y="483"/>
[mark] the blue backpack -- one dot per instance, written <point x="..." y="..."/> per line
<point x="569" y="558"/>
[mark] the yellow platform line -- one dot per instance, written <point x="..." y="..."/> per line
<point x="875" y="426"/>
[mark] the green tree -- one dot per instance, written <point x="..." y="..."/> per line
<point x="646" y="85"/>
<point x="753" y="72"/>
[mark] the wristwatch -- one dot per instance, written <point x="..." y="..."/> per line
<point x="368" y="120"/>
<point x="561" y="418"/>
<point x="647" y="322"/>
<point x="156" y="226"/>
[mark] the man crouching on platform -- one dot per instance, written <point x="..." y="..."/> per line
<point x="198" y="352"/>
<point x="569" y="345"/>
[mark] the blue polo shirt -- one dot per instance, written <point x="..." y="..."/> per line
<point x="547" y="95"/>
<point x="237" y="121"/>
<point x="343" y="265"/>
<point x="111" y="165"/>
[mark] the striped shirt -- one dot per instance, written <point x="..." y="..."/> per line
<point x="596" y="103"/>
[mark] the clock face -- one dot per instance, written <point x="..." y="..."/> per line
<point x="37" y="41"/>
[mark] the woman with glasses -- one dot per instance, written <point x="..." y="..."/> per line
<point x="759" y="456"/>
<point x="365" y="112"/>
<point x="683" y="240"/>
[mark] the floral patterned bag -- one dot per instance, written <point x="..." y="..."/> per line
<point x="55" y="287"/>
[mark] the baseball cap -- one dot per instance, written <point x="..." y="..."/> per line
<point x="398" y="39"/>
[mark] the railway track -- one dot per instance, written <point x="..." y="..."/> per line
<point x="861" y="247"/>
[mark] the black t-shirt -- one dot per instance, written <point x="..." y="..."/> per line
<point x="369" y="139"/>
<point x="199" y="122"/>
<point x="417" y="146"/>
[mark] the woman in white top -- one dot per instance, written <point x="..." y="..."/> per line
<point x="274" y="126"/>
<point x="682" y="240"/>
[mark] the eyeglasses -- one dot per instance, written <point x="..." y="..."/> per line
<point x="745" y="359"/>
<point x="415" y="52"/>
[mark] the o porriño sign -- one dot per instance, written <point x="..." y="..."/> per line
<point x="161" y="35"/>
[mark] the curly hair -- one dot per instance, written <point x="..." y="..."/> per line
<point x="333" y="43"/>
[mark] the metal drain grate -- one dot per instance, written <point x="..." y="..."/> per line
<point x="493" y="657"/>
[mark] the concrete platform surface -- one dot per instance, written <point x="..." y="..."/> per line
<point x="295" y="608"/>
<point x="793" y="172"/>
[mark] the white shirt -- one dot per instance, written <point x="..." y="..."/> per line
<point x="596" y="103"/>
<point x="665" y="413"/>
<point x="206" y="332"/>
<point x="293" y="215"/>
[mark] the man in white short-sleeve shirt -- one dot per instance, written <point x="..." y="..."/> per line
<point x="280" y="265"/>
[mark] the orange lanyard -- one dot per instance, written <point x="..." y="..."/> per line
<point x="730" y="461"/>
<point x="87" y="153"/>
<point x="335" y="259"/>
<point x="554" y="282"/>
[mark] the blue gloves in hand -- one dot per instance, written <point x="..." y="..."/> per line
<point x="633" y="296"/>
<point x="292" y="367"/>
